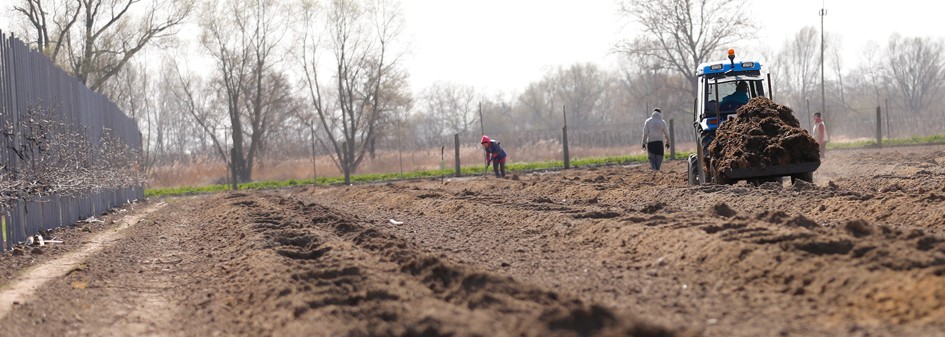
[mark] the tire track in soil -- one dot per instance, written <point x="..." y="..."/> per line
<point x="351" y="272"/>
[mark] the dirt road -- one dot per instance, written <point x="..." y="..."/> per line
<point x="611" y="251"/>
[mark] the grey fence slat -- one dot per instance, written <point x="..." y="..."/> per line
<point x="19" y="215"/>
<point x="4" y="100"/>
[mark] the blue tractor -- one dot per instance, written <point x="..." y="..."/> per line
<point x="723" y="87"/>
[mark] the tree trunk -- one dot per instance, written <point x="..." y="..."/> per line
<point x="372" y="149"/>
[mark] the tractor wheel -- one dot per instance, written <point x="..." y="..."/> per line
<point x="694" y="170"/>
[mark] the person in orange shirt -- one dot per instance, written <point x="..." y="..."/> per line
<point x="820" y="133"/>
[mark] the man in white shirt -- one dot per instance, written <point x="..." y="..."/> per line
<point x="652" y="129"/>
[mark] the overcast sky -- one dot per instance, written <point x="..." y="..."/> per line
<point x="502" y="45"/>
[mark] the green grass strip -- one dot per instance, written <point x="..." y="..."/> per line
<point x="916" y="140"/>
<point x="380" y="177"/>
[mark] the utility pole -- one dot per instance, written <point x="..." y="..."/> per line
<point x="823" y="96"/>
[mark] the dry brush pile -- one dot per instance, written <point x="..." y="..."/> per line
<point x="47" y="157"/>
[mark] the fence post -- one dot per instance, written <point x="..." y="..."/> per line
<point x="235" y="183"/>
<point x="887" y="118"/>
<point x="879" y="127"/>
<point x="456" y="141"/>
<point x="564" y="139"/>
<point x="564" y="142"/>
<point x="672" y="140"/>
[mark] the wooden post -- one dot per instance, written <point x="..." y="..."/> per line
<point x="233" y="179"/>
<point x="672" y="140"/>
<point x="564" y="139"/>
<point x="887" y="118"/>
<point x="482" y="125"/>
<point x="456" y="141"/>
<point x="400" y="147"/>
<point x="879" y="127"/>
<point x="810" y="128"/>
<point x="311" y="126"/>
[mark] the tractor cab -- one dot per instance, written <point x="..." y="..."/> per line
<point x="719" y="83"/>
<point x="724" y="87"/>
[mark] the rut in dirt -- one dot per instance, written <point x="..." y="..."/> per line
<point x="367" y="282"/>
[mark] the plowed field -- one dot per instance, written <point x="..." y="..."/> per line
<point x="613" y="251"/>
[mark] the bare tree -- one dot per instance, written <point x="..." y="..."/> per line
<point x="536" y="105"/>
<point x="153" y="96"/>
<point x="362" y="82"/>
<point x="201" y="102"/>
<point x="396" y="101"/>
<point x="873" y="77"/>
<point x="117" y="164"/>
<point x="271" y="104"/>
<point x="454" y="105"/>
<point x="916" y="67"/>
<point x="798" y="69"/>
<point x="50" y="156"/>
<point x="9" y="189"/>
<point x="54" y="157"/>
<point x="39" y="160"/>
<point x="834" y="48"/>
<point x="170" y="114"/>
<point x="243" y="37"/>
<point x="308" y="128"/>
<point x="498" y="114"/>
<point x="132" y="92"/>
<point x="43" y="16"/>
<point x="579" y="88"/>
<point x="682" y="34"/>
<point x="425" y="127"/>
<point x="95" y="39"/>
<point x="647" y="84"/>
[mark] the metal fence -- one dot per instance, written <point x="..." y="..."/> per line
<point x="30" y="79"/>
<point x="892" y="124"/>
